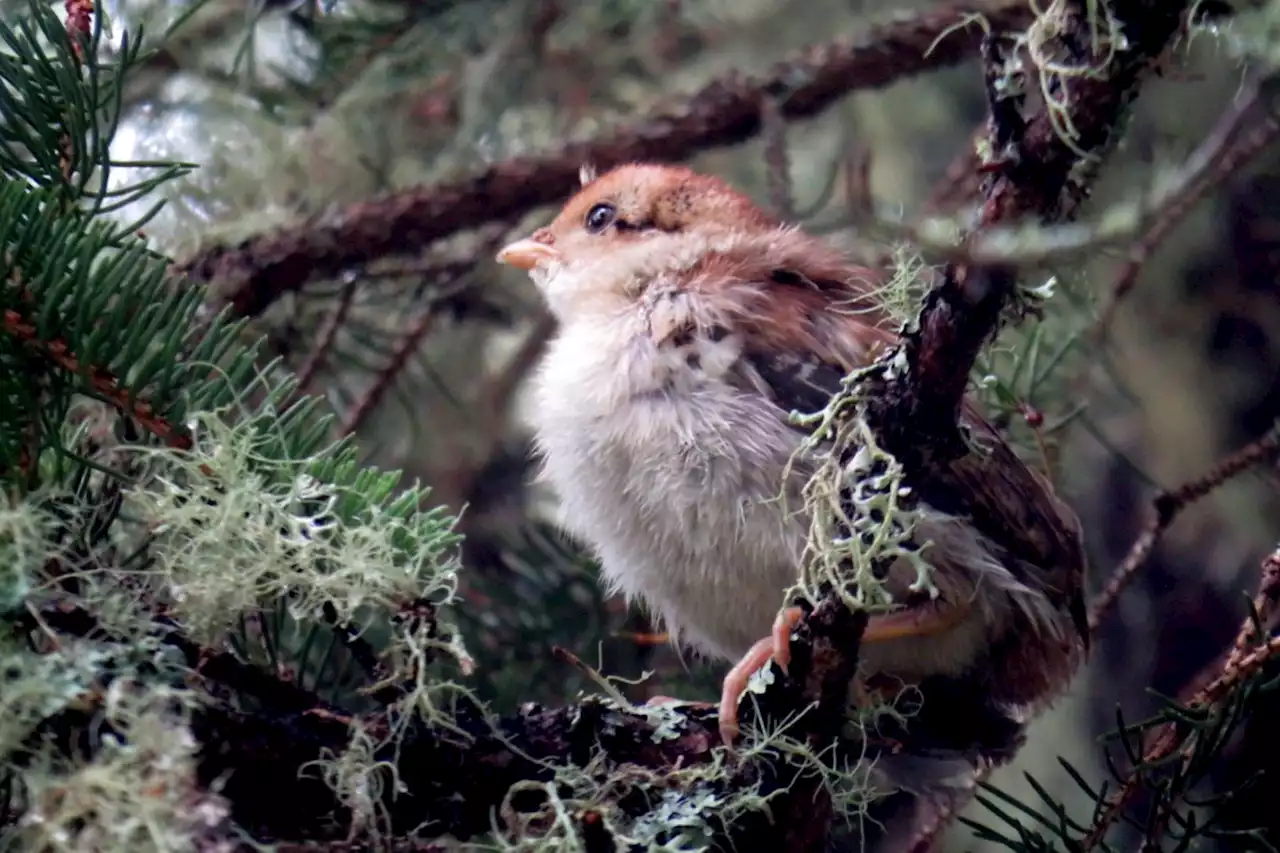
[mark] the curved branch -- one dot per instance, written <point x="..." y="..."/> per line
<point x="261" y="269"/>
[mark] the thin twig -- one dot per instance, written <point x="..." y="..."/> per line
<point x="1237" y="669"/>
<point x="328" y="334"/>
<point x="1166" y="508"/>
<point x="1243" y="659"/>
<point x="405" y="347"/>
<point x="1265" y="605"/>
<point x="777" y="159"/>
<point x="1218" y="157"/>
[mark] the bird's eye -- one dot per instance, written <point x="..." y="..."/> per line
<point x="600" y="217"/>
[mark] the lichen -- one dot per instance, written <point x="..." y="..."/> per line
<point x="862" y="516"/>
<point x="24" y="534"/>
<point x="360" y="780"/>
<point x="679" y="809"/>
<point x="1041" y="41"/>
<point x="138" y="792"/>
<point x="233" y="528"/>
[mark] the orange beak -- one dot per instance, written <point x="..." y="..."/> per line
<point x="526" y="254"/>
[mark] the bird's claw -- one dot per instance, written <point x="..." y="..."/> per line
<point x="777" y="648"/>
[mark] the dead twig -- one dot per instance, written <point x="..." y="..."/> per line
<point x="405" y="347"/>
<point x="328" y="334"/>
<point x="1218" y="157"/>
<point x="777" y="160"/>
<point x="1166" y="508"/>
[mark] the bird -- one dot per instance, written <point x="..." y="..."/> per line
<point x="690" y="324"/>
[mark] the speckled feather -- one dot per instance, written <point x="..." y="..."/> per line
<point x="688" y="331"/>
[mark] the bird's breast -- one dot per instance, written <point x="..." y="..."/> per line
<point x="679" y="481"/>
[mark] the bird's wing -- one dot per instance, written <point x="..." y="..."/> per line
<point x="801" y="347"/>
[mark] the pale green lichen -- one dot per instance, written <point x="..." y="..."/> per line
<point x="139" y="791"/>
<point x="862" y="516"/>
<point x="24" y="548"/>
<point x="360" y="781"/>
<point x="232" y="527"/>
<point x="1107" y="41"/>
<point x="34" y="688"/>
<point x="239" y="529"/>
<point x="676" y="810"/>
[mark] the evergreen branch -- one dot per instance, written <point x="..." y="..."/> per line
<point x="1169" y="753"/>
<point x="99" y="308"/>
<point x="62" y="108"/>
<point x="1166" y="507"/>
<point x="459" y="775"/>
<point x="100" y="381"/>
<point x="1265" y="605"/>
<point x="1039" y="165"/>
<point x="260" y="270"/>
<point x="1249" y="654"/>
<point x="464" y="766"/>
<point x="79" y="23"/>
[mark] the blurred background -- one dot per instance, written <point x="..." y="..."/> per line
<point x="295" y="111"/>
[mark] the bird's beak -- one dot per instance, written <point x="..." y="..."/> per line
<point x="526" y="254"/>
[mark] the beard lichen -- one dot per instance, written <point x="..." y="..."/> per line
<point x="862" y="516"/>
<point x="241" y="541"/>
<point x="682" y="808"/>
<point x="140" y="789"/>
<point x="360" y="779"/>
<point x="234" y="528"/>
<point x="24" y="532"/>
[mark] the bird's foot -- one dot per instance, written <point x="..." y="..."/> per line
<point x="775" y="647"/>
<point x="922" y="620"/>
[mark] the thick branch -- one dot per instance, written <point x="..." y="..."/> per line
<point x="725" y="112"/>
<point x="1042" y="162"/>
<point x="264" y="740"/>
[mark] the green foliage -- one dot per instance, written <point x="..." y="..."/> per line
<point x="154" y="476"/>
<point x="1174" y="805"/>
<point x="1025" y="379"/>
<point x="158" y="478"/>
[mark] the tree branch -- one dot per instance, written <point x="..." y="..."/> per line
<point x="259" y="270"/>
<point x="1040" y="163"/>
<point x="455" y="781"/>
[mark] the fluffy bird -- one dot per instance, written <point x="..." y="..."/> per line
<point x="690" y="325"/>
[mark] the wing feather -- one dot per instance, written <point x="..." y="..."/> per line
<point x="800" y="348"/>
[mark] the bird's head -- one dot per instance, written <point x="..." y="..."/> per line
<point x="629" y="228"/>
